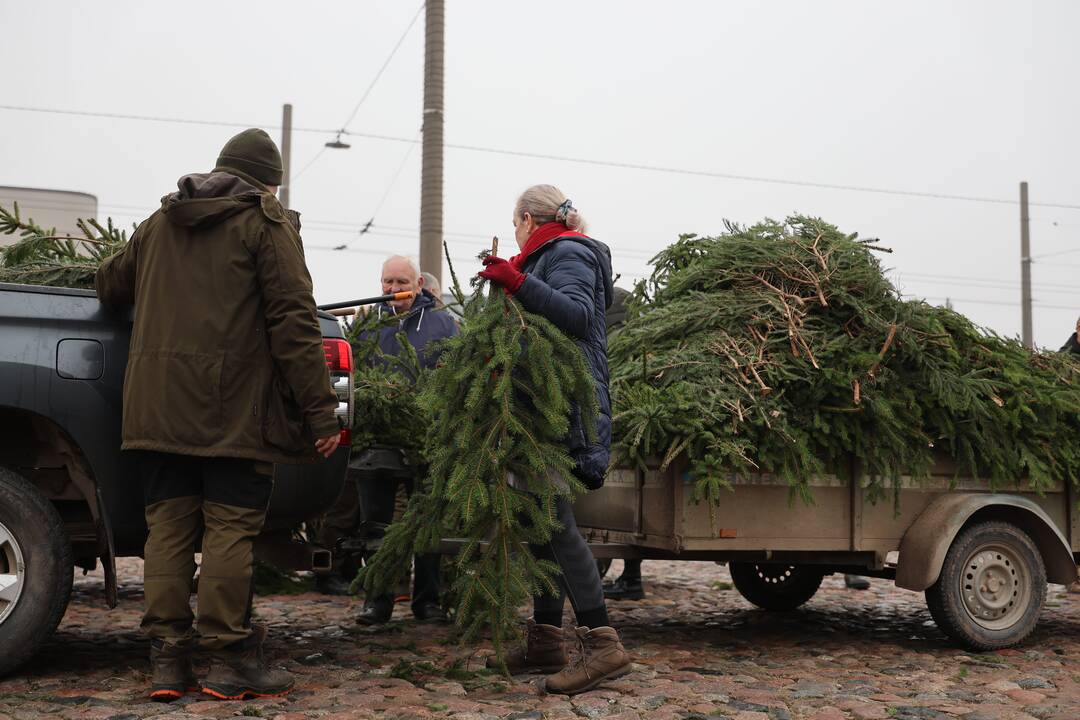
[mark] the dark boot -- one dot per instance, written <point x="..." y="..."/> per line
<point x="600" y="657"/>
<point x="377" y="611"/>
<point x="624" y="589"/>
<point x="171" y="674"/>
<point x="332" y="584"/>
<point x="856" y="582"/>
<point x="429" y="613"/>
<point x="241" y="671"/>
<point x="544" y="651"/>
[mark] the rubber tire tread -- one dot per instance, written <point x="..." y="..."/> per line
<point x="802" y="586"/>
<point x="47" y="555"/>
<point x="947" y="607"/>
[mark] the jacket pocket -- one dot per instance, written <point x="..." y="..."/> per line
<point x="174" y="398"/>
<point x="283" y="424"/>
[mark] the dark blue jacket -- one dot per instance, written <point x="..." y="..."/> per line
<point x="423" y="324"/>
<point x="569" y="283"/>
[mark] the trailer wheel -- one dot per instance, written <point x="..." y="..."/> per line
<point x="36" y="570"/>
<point x="991" y="589"/>
<point x="776" y="587"/>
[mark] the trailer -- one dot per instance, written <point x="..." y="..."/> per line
<point x="983" y="558"/>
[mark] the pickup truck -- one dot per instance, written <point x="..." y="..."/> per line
<point x="68" y="496"/>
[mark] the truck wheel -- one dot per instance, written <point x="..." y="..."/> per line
<point x="36" y="570"/>
<point x="991" y="589"/>
<point x="776" y="587"/>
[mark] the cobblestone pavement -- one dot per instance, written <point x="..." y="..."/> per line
<point x="701" y="652"/>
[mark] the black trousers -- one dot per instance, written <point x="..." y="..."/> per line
<point x="579" y="580"/>
<point x="377" y="493"/>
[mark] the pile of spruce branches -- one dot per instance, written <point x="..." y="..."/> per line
<point x="782" y="348"/>
<point x="41" y="257"/>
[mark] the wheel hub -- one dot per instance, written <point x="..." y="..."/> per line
<point x="774" y="574"/>
<point x="995" y="587"/>
<point x="12" y="572"/>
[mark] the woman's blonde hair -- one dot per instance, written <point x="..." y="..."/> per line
<point x="546" y="203"/>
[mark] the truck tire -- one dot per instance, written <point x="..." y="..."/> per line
<point x="36" y="570"/>
<point x="991" y="589"/>
<point x="776" y="587"/>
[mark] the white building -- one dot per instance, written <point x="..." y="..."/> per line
<point x="48" y="208"/>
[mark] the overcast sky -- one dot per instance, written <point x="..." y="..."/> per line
<point x="957" y="98"/>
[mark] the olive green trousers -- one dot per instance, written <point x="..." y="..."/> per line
<point x="222" y="503"/>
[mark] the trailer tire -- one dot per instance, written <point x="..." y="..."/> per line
<point x="776" y="587"/>
<point x="991" y="589"/>
<point x="36" y="570"/>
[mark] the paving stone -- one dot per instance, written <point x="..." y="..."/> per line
<point x="870" y="712"/>
<point x="1034" y="684"/>
<point x="1026" y="697"/>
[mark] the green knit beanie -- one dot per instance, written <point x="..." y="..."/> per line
<point x="252" y="152"/>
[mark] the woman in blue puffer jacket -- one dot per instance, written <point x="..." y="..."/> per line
<point x="564" y="275"/>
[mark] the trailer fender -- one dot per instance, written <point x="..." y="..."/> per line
<point x="923" y="547"/>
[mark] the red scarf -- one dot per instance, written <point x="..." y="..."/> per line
<point x="541" y="236"/>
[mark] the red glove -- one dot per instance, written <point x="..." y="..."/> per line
<point x="500" y="272"/>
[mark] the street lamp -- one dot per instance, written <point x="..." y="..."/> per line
<point x="337" y="144"/>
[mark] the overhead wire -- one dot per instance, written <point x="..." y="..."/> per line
<point x="590" y="161"/>
<point x="367" y="92"/>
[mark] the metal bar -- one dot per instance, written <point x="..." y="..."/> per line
<point x="407" y="295"/>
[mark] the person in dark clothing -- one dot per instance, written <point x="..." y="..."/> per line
<point x="368" y="497"/>
<point x="566" y="277"/>
<point x="226" y="375"/>
<point x="628" y="585"/>
<point x="1072" y="345"/>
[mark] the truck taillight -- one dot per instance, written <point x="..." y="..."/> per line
<point x="338" y="355"/>
<point x="340" y="365"/>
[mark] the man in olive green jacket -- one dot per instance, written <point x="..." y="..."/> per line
<point x="226" y="375"/>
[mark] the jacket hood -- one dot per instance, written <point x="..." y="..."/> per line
<point x="206" y="199"/>
<point x="603" y="259"/>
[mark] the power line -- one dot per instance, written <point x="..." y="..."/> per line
<point x="366" y="227"/>
<point x="975" y="281"/>
<point x="988" y="302"/>
<point x="367" y="92"/>
<point x="382" y="69"/>
<point x="308" y="164"/>
<point x="1055" y="254"/>
<point x="755" y="178"/>
<point x="578" y="160"/>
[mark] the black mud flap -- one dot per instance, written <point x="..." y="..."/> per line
<point x="107" y="552"/>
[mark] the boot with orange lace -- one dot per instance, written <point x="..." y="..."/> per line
<point x="171" y="674"/>
<point x="241" y="671"/>
<point x="544" y="651"/>
<point x="600" y="657"/>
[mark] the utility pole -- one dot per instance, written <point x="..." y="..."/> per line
<point x="1025" y="270"/>
<point x="286" y="152"/>
<point x="431" y="174"/>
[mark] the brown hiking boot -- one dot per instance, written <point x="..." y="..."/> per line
<point x="544" y="651"/>
<point x="600" y="657"/>
<point x="241" y="671"/>
<point x="171" y="674"/>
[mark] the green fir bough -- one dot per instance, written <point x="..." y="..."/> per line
<point x="41" y="257"/>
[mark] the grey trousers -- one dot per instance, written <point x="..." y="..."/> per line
<point x="579" y="581"/>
